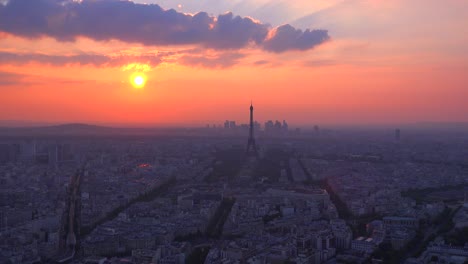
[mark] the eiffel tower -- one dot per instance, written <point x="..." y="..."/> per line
<point x="251" y="147"/>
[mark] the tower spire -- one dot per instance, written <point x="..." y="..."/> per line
<point x="251" y="147"/>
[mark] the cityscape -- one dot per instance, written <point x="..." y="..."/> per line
<point x="233" y="132"/>
<point x="233" y="194"/>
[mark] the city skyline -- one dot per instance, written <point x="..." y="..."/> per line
<point x="326" y="62"/>
<point x="233" y="131"/>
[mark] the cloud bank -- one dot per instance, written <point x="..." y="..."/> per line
<point x="80" y="59"/>
<point x="9" y="78"/>
<point x="224" y="59"/>
<point x="102" y="20"/>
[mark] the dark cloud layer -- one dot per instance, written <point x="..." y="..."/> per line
<point x="126" y="21"/>
<point x="224" y="60"/>
<point x="17" y="80"/>
<point x="81" y="59"/>
<point x="287" y="37"/>
<point x="319" y="63"/>
<point x="9" y="78"/>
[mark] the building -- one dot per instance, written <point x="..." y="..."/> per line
<point x="439" y="252"/>
<point x="397" y="134"/>
<point x="400" y="222"/>
<point x="364" y="244"/>
<point x="232" y="125"/>
<point x="142" y="256"/>
<point x="342" y="232"/>
<point x="9" y="153"/>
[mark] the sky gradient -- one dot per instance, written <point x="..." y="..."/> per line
<point x="325" y="62"/>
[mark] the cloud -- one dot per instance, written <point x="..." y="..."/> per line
<point x="81" y="59"/>
<point x="268" y="63"/>
<point x="261" y="62"/>
<point x="319" y="63"/>
<point x="21" y="80"/>
<point x="224" y="60"/>
<point x="142" y="63"/>
<point x="287" y="37"/>
<point x="9" y="78"/>
<point x="147" y="24"/>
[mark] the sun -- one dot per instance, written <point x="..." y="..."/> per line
<point x="138" y="80"/>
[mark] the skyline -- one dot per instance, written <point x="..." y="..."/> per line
<point x="339" y="62"/>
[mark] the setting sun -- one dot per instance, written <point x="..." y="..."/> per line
<point x="138" y="80"/>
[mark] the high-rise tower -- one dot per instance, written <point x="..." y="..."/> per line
<point x="397" y="134"/>
<point x="251" y="147"/>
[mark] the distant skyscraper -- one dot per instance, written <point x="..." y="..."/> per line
<point x="278" y="126"/>
<point x="4" y="153"/>
<point x="251" y="147"/>
<point x="397" y="134"/>
<point x="53" y="155"/>
<point x="285" y="126"/>
<point x="257" y="126"/>
<point x="269" y="126"/>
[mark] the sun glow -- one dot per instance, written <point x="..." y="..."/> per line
<point x="138" y="80"/>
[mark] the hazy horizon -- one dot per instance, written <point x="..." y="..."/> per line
<point x="220" y="123"/>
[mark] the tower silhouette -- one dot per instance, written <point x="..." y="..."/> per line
<point x="251" y="147"/>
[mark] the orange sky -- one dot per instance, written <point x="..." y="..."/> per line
<point x="384" y="63"/>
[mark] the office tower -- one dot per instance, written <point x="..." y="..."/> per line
<point x="397" y="134"/>
<point x="285" y="126"/>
